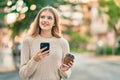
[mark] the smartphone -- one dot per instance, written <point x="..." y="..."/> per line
<point x="45" y="44"/>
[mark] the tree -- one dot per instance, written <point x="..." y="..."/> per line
<point x="27" y="16"/>
<point x="112" y="8"/>
<point x="113" y="11"/>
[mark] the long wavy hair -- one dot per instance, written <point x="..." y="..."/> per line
<point x="35" y="28"/>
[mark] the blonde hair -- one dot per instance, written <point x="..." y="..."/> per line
<point x="35" y="29"/>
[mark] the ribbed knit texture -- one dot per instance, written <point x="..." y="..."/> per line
<point x="48" y="67"/>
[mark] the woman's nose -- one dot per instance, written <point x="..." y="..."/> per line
<point x="45" y="19"/>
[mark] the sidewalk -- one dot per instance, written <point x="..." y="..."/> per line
<point x="93" y="67"/>
<point x="6" y="61"/>
<point x="14" y="75"/>
<point x="103" y="57"/>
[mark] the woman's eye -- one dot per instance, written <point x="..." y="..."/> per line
<point x="50" y="18"/>
<point x="42" y="16"/>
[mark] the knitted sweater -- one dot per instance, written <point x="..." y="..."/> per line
<point x="48" y="67"/>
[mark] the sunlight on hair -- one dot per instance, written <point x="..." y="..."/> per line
<point x="117" y="2"/>
<point x="30" y="29"/>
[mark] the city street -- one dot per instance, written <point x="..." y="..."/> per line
<point x="90" y="68"/>
<point x="85" y="68"/>
<point x="90" y="29"/>
<point x="10" y="76"/>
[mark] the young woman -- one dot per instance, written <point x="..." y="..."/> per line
<point x="37" y="64"/>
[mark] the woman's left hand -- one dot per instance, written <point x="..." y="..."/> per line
<point x="65" y="67"/>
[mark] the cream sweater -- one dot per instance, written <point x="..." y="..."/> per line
<point x="48" y="67"/>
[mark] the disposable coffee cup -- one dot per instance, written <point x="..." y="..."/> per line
<point x="69" y="57"/>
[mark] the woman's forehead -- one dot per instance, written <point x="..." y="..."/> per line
<point x="46" y="12"/>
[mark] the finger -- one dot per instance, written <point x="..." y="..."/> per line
<point x="65" y="65"/>
<point x="41" y="50"/>
<point x="45" y="52"/>
<point x="71" y="62"/>
<point x="70" y="65"/>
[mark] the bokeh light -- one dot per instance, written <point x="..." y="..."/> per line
<point x="33" y="7"/>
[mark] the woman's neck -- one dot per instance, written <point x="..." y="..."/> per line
<point x="46" y="34"/>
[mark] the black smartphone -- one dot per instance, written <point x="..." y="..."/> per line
<point x="45" y="44"/>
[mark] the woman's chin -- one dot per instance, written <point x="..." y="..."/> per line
<point x="46" y="29"/>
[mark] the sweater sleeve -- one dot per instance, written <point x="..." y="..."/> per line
<point x="65" y="49"/>
<point x="28" y="66"/>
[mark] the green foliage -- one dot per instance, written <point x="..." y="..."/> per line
<point x="2" y="16"/>
<point x="68" y="30"/>
<point x="100" y="50"/>
<point x="117" y="50"/>
<point x="3" y="3"/>
<point x="81" y="50"/>
<point x="40" y="3"/>
<point x="108" y="50"/>
<point x="104" y="50"/>
<point x="23" y="24"/>
<point x="113" y="11"/>
<point x="78" y="41"/>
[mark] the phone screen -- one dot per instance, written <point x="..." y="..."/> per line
<point x="45" y="44"/>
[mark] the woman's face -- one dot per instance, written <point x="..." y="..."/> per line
<point x="46" y="20"/>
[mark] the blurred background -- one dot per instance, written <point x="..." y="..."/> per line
<point x="92" y="28"/>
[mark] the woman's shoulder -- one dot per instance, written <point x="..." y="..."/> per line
<point x="64" y="43"/>
<point x="27" y="38"/>
<point x="63" y="40"/>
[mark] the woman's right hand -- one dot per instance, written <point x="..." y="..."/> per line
<point x="41" y="54"/>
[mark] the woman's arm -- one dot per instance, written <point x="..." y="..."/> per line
<point x="65" y="49"/>
<point x="28" y="66"/>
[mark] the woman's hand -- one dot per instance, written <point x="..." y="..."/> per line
<point x="65" y="67"/>
<point x="40" y="55"/>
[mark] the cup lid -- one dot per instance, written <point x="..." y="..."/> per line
<point x="70" y="55"/>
